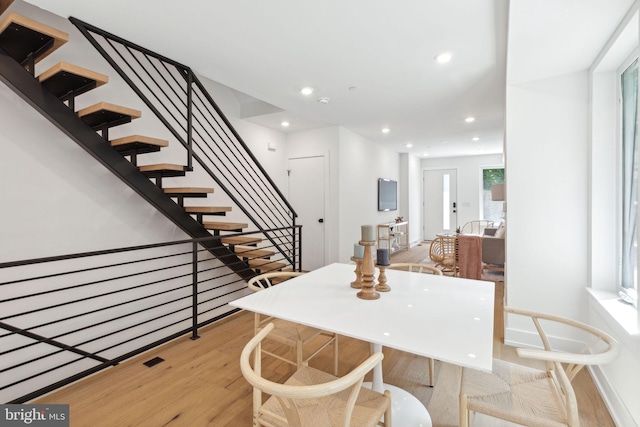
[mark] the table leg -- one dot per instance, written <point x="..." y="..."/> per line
<point x="406" y="409"/>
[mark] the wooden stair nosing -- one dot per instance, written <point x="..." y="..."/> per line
<point x="188" y="191"/>
<point x="58" y="37"/>
<point x="248" y="252"/>
<point x="162" y="167"/>
<point x="85" y="79"/>
<point x="106" y="106"/>
<point x="138" y="139"/>
<point x="241" y="240"/>
<point x="207" y="209"/>
<point x="224" y="226"/>
<point x="106" y="114"/>
<point x="265" y="264"/>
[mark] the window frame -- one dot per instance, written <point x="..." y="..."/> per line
<point x="624" y="65"/>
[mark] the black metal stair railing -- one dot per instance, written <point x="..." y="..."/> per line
<point x="181" y="102"/>
<point x="65" y="317"/>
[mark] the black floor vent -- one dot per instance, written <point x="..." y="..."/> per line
<point x="153" y="361"/>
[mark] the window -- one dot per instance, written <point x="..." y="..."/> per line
<point x="629" y="178"/>
<point x="491" y="210"/>
<point x="446" y="201"/>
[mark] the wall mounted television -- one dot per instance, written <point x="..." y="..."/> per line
<point x="387" y="195"/>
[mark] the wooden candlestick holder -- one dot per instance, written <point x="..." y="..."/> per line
<point x="368" y="272"/>
<point x="382" y="280"/>
<point x="357" y="284"/>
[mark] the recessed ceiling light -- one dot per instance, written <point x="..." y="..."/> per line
<point x="470" y="119"/>
<point x="475" y="138"/>
<point x="409" y="145"/>
<point x="285" y="124"/>
<point x="444" y="57"/>
<point x="425" y="154"/>
<point x="386" y="130"/>
<point x="306" y="90"/>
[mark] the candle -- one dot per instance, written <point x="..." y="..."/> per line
<point x="358" y="251"/>
<point x="383" y="256"/>
<point x="367" y="233"/>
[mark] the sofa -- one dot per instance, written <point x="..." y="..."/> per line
<point x="493" y="248"/>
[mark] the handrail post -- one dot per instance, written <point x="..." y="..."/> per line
<point x="194" y="275"/>
<point x="299" y="249"/>
<point x="189" y="120"/>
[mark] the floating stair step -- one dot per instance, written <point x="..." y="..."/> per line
<point x="246" y="252"/>
<point x="22" y="37"/>
<point x="104" y="114"/>
<point x="207" y="210"/>
<point x="225" y="226"/>
<point x="163" y="170"/>
<point x="138" y="144"/>
<point x="264" y="265"/>
<point x="241" y="240"/>
<point x="181" y="192"/>
<point x="63" y="78"/>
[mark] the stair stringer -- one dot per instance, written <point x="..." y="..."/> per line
<point x="65" y="119"/>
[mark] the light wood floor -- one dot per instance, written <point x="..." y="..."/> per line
<point x="200" y="383"/>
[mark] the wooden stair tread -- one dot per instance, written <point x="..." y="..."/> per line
<point x="247" y="252"/>
<point x="265" y="264"/>
<point x="138" y="144"/>
<point x="104" y="113"/>
<point x="241" y="240"/>
<point x="21" y="36"/>
<point x="182" y="192"/>
<point x="64" y="77"/>
<point x="207" y="209"/>
<point x="225" y="226"/>
<point x="188" y="190"/>
<point x="161" y="167"/>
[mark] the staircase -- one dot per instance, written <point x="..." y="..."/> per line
<point x="24" y="42"/>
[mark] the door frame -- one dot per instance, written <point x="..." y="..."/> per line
<point x="327" y="214"/>
<point x="422" y="184"/>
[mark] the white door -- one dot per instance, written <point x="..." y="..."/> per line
<point x="440" y="202"/>
<point x="306" y="195"/>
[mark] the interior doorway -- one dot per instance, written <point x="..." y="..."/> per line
<point x="307" y="196"/>
<point x="440" y="202"/>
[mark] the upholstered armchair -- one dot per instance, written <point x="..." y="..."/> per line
<point x="493" y="249"/>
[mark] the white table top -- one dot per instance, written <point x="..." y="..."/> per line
<point x="446" y="318"/>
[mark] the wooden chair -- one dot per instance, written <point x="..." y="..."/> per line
<point x="476" y="227"/>
<point x="443" y="253"/>
<point x="311" y="397"/>
<point x="530" y="396"/>
<point x="415" y="267"/>
<point x="420" y="268"/>
<point x="295" y="336"/>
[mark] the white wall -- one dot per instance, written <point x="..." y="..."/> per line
<point x="547" y="180"/>
<point x="561" y="183"/>
<point x="469" y="180"/>
<point x="362" y="162"/>
<point x="410" y="195"/>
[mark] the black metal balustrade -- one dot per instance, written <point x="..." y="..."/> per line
<point x="66" y="317"/>
<point x="183" y="105"/>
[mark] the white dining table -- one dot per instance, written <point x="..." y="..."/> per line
<point x="446" y="318"/>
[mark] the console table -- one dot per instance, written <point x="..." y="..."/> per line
<point x="393" y="236"/>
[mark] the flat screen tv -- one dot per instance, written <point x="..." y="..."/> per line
<point x="387" y="195"/>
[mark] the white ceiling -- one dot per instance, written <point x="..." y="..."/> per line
<point x="374" y="59"/>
